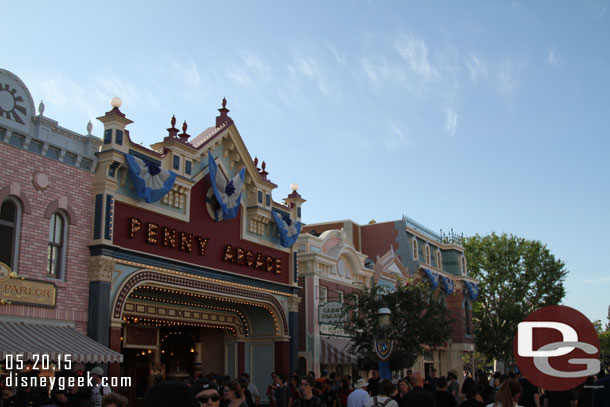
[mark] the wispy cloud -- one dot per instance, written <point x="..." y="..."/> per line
<point x="415" y="53"/>
<point x="451" y="121"/>
<point x="396" y="136"/>
<point x="598" y="280"/>
<point x="309" y="67"/>
<point x="188" y="72"/>
<point x="477" y="68"/>
<point x="507" y="78"/>
<point x="339" y="57"/>
<point x="251" y="71"/>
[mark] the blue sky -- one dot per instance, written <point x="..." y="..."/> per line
<point x="478" y="116"/>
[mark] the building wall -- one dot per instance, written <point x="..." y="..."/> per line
<point x="377" y="238"/>
<point x="65" y="183"/>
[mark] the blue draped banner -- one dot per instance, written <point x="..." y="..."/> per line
<point x="151" y="182"/>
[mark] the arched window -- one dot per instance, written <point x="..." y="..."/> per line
<point x="428" y="257"/>
<point x="10" y="218"/>
<point x="467" y="318"/>
<point x="463" y="265"/>
<point x="57" y="245"/>
<point x="415" y="249"/>
<point x="439" y="259"/>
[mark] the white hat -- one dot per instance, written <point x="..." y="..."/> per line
<point x="360" y="383"/>
<point x="98" y="371"/>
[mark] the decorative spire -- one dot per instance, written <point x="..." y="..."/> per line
<point x="263" y="172"/>
<point x="183" y="136"/>
<point x="224" y="117"/>
<point x="256" y="164"/>
<point x="89" y="128"/>
<point x="41" y="108"/>
<point x="173" y="131"/>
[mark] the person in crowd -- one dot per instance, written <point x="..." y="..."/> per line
<point x="453" y="386"/>
<point x="508" y="394"/>
<point x="234" y="393"/>
<point x="115" y="400"/>
<point x="347" y="383"/>
<point x="344" y="390"/>
<point x="483" y="387"/>
<point x="530" y="396"/>
<point x="373" y="388"/>
<point x="256" y="395"/>
<point x="293" y="387"/>
<point x="403" y="388"/>
<point x="322" y="377"/>
<point x="270" y="390"/>
<point x="359" y="397"/>
<point x="470" y="393"/>
<point x="169" y="394"/>
<point x="328" y="395"/>
<point x="247" y="395"/>
<point x="442" y="395"/>
<point x="385" y="396"/>
<point x="601" y="392"/>
<point x="417" y="396"/>
<point x="281" y="392"/>
<point x="59" y="398"/>
<point x="307" y="398"/>
<point x="312" y="374"/>
<point x="98" y="391"/>
<point x="566" y="398"/>
<point x="431" y="381"/>
<point x="7" y="393"/>
<point x="206" y="393"/>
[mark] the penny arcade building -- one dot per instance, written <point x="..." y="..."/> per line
<point x="192" y="268"/>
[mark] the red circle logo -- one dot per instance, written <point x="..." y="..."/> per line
<point x="556" y="348"/>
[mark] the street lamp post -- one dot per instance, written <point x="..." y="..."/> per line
<point x="384" y="347"/>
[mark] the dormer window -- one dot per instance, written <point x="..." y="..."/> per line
<point x="439" y="259"/>
<point x="463" y="265"/>
<point x="176" y="162"/>
<point x="415" y="248"/>
<point x="428" y="257"/>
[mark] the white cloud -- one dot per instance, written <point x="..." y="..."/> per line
<point x="309" y="67"/>
<point x="396" y="137"/>
<point x="188" y="72"/>
<point x="340" y="58"/>
<point x="507" y="77"/>
<point x="451" y="121"/>
<point x="252" y="70"/>
<point x="476" y="67"/>
<point x="415" y="53"/>
<point x="598" y="280"/>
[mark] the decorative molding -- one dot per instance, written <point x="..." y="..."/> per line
<point x="15" y="190"/>
<point x="61" y="203"/>
<point x="101" y="268"/>
<point x="293" y="303"/>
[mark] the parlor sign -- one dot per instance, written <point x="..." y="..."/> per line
<point x="15" y="289"/>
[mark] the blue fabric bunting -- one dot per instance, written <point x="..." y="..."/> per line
<point x="448" y="284"/>
<point x="289" y="230"/>
<point x="433" y="278"/>
<point x="228" y="194"/>
<point x="150" y="181"/>
<point x="473" y="290"/>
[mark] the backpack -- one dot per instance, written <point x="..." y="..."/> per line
<point x="377" y="403"/>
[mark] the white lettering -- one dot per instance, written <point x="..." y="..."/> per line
<point x="526" y="338"/>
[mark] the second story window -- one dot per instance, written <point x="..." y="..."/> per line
<point x="56" y="251"/>
<point x="176" y="162"/>
<point x="415" y="249"/>
<point x="428" y="257"/>
<point x="323" y="291"/>
<point x="439" y="259"/>
<point x="9" y="232"/>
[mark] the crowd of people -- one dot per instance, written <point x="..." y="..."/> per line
<point x="414" y="390"/>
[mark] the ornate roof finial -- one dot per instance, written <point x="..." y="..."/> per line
<point x="173" y="131"/>
<point x="41" y="108"/>
<point x="183" y="136"/>
<point x="256" y="163"/>
<point x="224" y="117"/>
<point x="89" y="128"/>
<point x="263" y="172"/>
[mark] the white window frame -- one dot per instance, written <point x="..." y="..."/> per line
<point x="16" y="231"/>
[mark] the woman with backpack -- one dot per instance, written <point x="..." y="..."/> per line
<point x="385" y="396"/>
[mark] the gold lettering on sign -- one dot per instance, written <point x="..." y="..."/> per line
<point x="203" y="242"/>
<point x="135" y="225"/>
<point x="151" y="233"/>
<point x="170" y="237"/>
<point x="28" y="292"/>
<point x="186" y="242"/>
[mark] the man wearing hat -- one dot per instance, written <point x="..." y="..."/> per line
<point x="206" y="393"/>
<point x="98" y="390"/>
<point x="359" y="397"/>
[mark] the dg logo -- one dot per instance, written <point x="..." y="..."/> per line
<point x="556" y="348"/>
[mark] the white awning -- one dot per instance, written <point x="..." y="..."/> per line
<point x="335" y="351"/>
<point x="36" y="339"/>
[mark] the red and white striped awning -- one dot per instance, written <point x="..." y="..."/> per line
<point x="335" y="351"/>
<point x="37" y="339"/>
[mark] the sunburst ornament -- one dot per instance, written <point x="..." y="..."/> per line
<point x="11" y="104"/>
